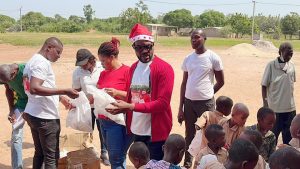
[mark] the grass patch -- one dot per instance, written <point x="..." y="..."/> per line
<point x="96" y="38"/>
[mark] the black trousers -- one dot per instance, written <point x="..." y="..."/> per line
<point x="192" y="110"/>
<point x="282" y="124"/>
<point x="45" y="135"/>
<point x="155" y="148"/>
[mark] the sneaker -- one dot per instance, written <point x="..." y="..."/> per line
<point x="104" y="159"/>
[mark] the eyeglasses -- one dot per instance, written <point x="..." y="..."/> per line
<point x="141" y="48"/>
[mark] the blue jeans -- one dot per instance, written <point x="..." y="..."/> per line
<point x="116" y="141"/>
<point x="16" y="146"/>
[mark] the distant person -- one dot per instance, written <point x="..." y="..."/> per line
<point x="41" y="112"/>
<point x="86" y="75"/>
<point x="278" y="91"/>
<point x="215" y="135"/>
<point x="173" y="148"/>
<point x="200" y="68"/>
<point x="12" y="78"/>
<point x="256" y="138"/>
<point x="265" y="122"/>
<point x="139" y="155"/>
<point x="284" y="158"/>
<point x="149" y="92"/>
<point x="236" y="124"/>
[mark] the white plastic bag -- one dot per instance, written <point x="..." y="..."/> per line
<point x="195" y="145"/>
<point x="79" y="118"/>
<point x="101" y="101"/>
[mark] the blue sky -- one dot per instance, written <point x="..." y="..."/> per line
<point x="109" y="8"/>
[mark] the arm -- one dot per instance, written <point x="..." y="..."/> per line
<point x="264" y="96"/>
<point x="10" y="100"/>
<point x="36" y="88"/>
<point x="219" y="75"/>
<point x="180" y="116"/>
<point x="116" y="93"/>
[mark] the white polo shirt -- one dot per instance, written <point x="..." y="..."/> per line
<point x="280" y="86"/>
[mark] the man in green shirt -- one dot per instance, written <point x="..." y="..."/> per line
<point x="12" y="78"/>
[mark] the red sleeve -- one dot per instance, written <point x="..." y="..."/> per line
<point x="164" y="86"/>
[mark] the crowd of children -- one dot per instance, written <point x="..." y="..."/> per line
<point x="222" y="142"/>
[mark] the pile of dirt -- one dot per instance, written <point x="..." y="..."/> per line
<point x="265" y="45"/>
<point x="245" y="49"/>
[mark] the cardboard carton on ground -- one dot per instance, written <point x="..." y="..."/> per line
<point x="83" y="159"/>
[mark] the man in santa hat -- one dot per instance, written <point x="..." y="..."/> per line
<point x="150" y="85"/>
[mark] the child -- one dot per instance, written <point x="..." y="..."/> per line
<point x="139" y="155"/>
<point x="295" y="132"/>
<point x="266" y="119"/>
<point x="284" y="158"/>
<point x="242" y="155"/>
<point x="256" y="138"/>
<point x="216" y="140"/>
<point x="235" y="125"/>
<point x="173" y="148"/>
<point x="223" y="108"/>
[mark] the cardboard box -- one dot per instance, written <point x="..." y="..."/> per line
<point x="83" y="159"/>
<point x="75" y="141"/>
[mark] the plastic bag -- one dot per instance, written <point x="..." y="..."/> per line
<point x="101" y="101"/>
<point x="195" y="145"/>
<point x="79" y="118"/>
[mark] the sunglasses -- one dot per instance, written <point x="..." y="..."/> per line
<point x="141" y="48"/>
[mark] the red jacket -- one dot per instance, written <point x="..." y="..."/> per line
<point x="161" y="83"/>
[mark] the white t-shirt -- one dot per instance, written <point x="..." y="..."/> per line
<point x="44" y="107"/>
<point x="85" y="79"/>
<point x="200" y="68"/>
<point x="140" y="92"/>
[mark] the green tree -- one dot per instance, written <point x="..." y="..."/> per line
<point x="181" y="17"/>
<point x="88" y="13"/>
<point x="32" y="21"/>
<point x="290" y="24"/>
<point x="6" y="22"/>
<point x="210" y="18"/>
<point x="131" y="16"/>
<point x="77" y="19"/>
<point x="267" y="24"/>
<point x="240" y="24"/>
<point x="59" y="18"/>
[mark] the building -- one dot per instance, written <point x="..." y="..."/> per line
<point x="162" y="29"/>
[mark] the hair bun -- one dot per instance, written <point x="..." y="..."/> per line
<point x="115" y="42"/>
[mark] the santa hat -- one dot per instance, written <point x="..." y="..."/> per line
<point x="140" y="32"/>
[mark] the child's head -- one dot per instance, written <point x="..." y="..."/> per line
<point x="215" y="135"/>
<point x="287" y="157"/>
<point x="266" y="119"/>
<point x="240" y="113"/>
<point x="242" y="155"/>
<point x="295" y="127"/>
<point x="174" y="148"/>
<point x="224" y="105"/>
<point x="138" y="154"/>
<point x="254" y="136"/>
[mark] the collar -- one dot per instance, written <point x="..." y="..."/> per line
<point x="142" y="167"/>
<point x="233" y="128"/>
<point x="269" y="133"/>
<point x="212" y="152"/>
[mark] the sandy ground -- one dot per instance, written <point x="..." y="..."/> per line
<point x="243" y="68"/>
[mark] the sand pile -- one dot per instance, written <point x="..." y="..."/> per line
<point x="265" y="45"/>
<point x="246" y="49"/>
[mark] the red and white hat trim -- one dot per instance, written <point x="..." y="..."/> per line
<point x="140" y="32"/>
